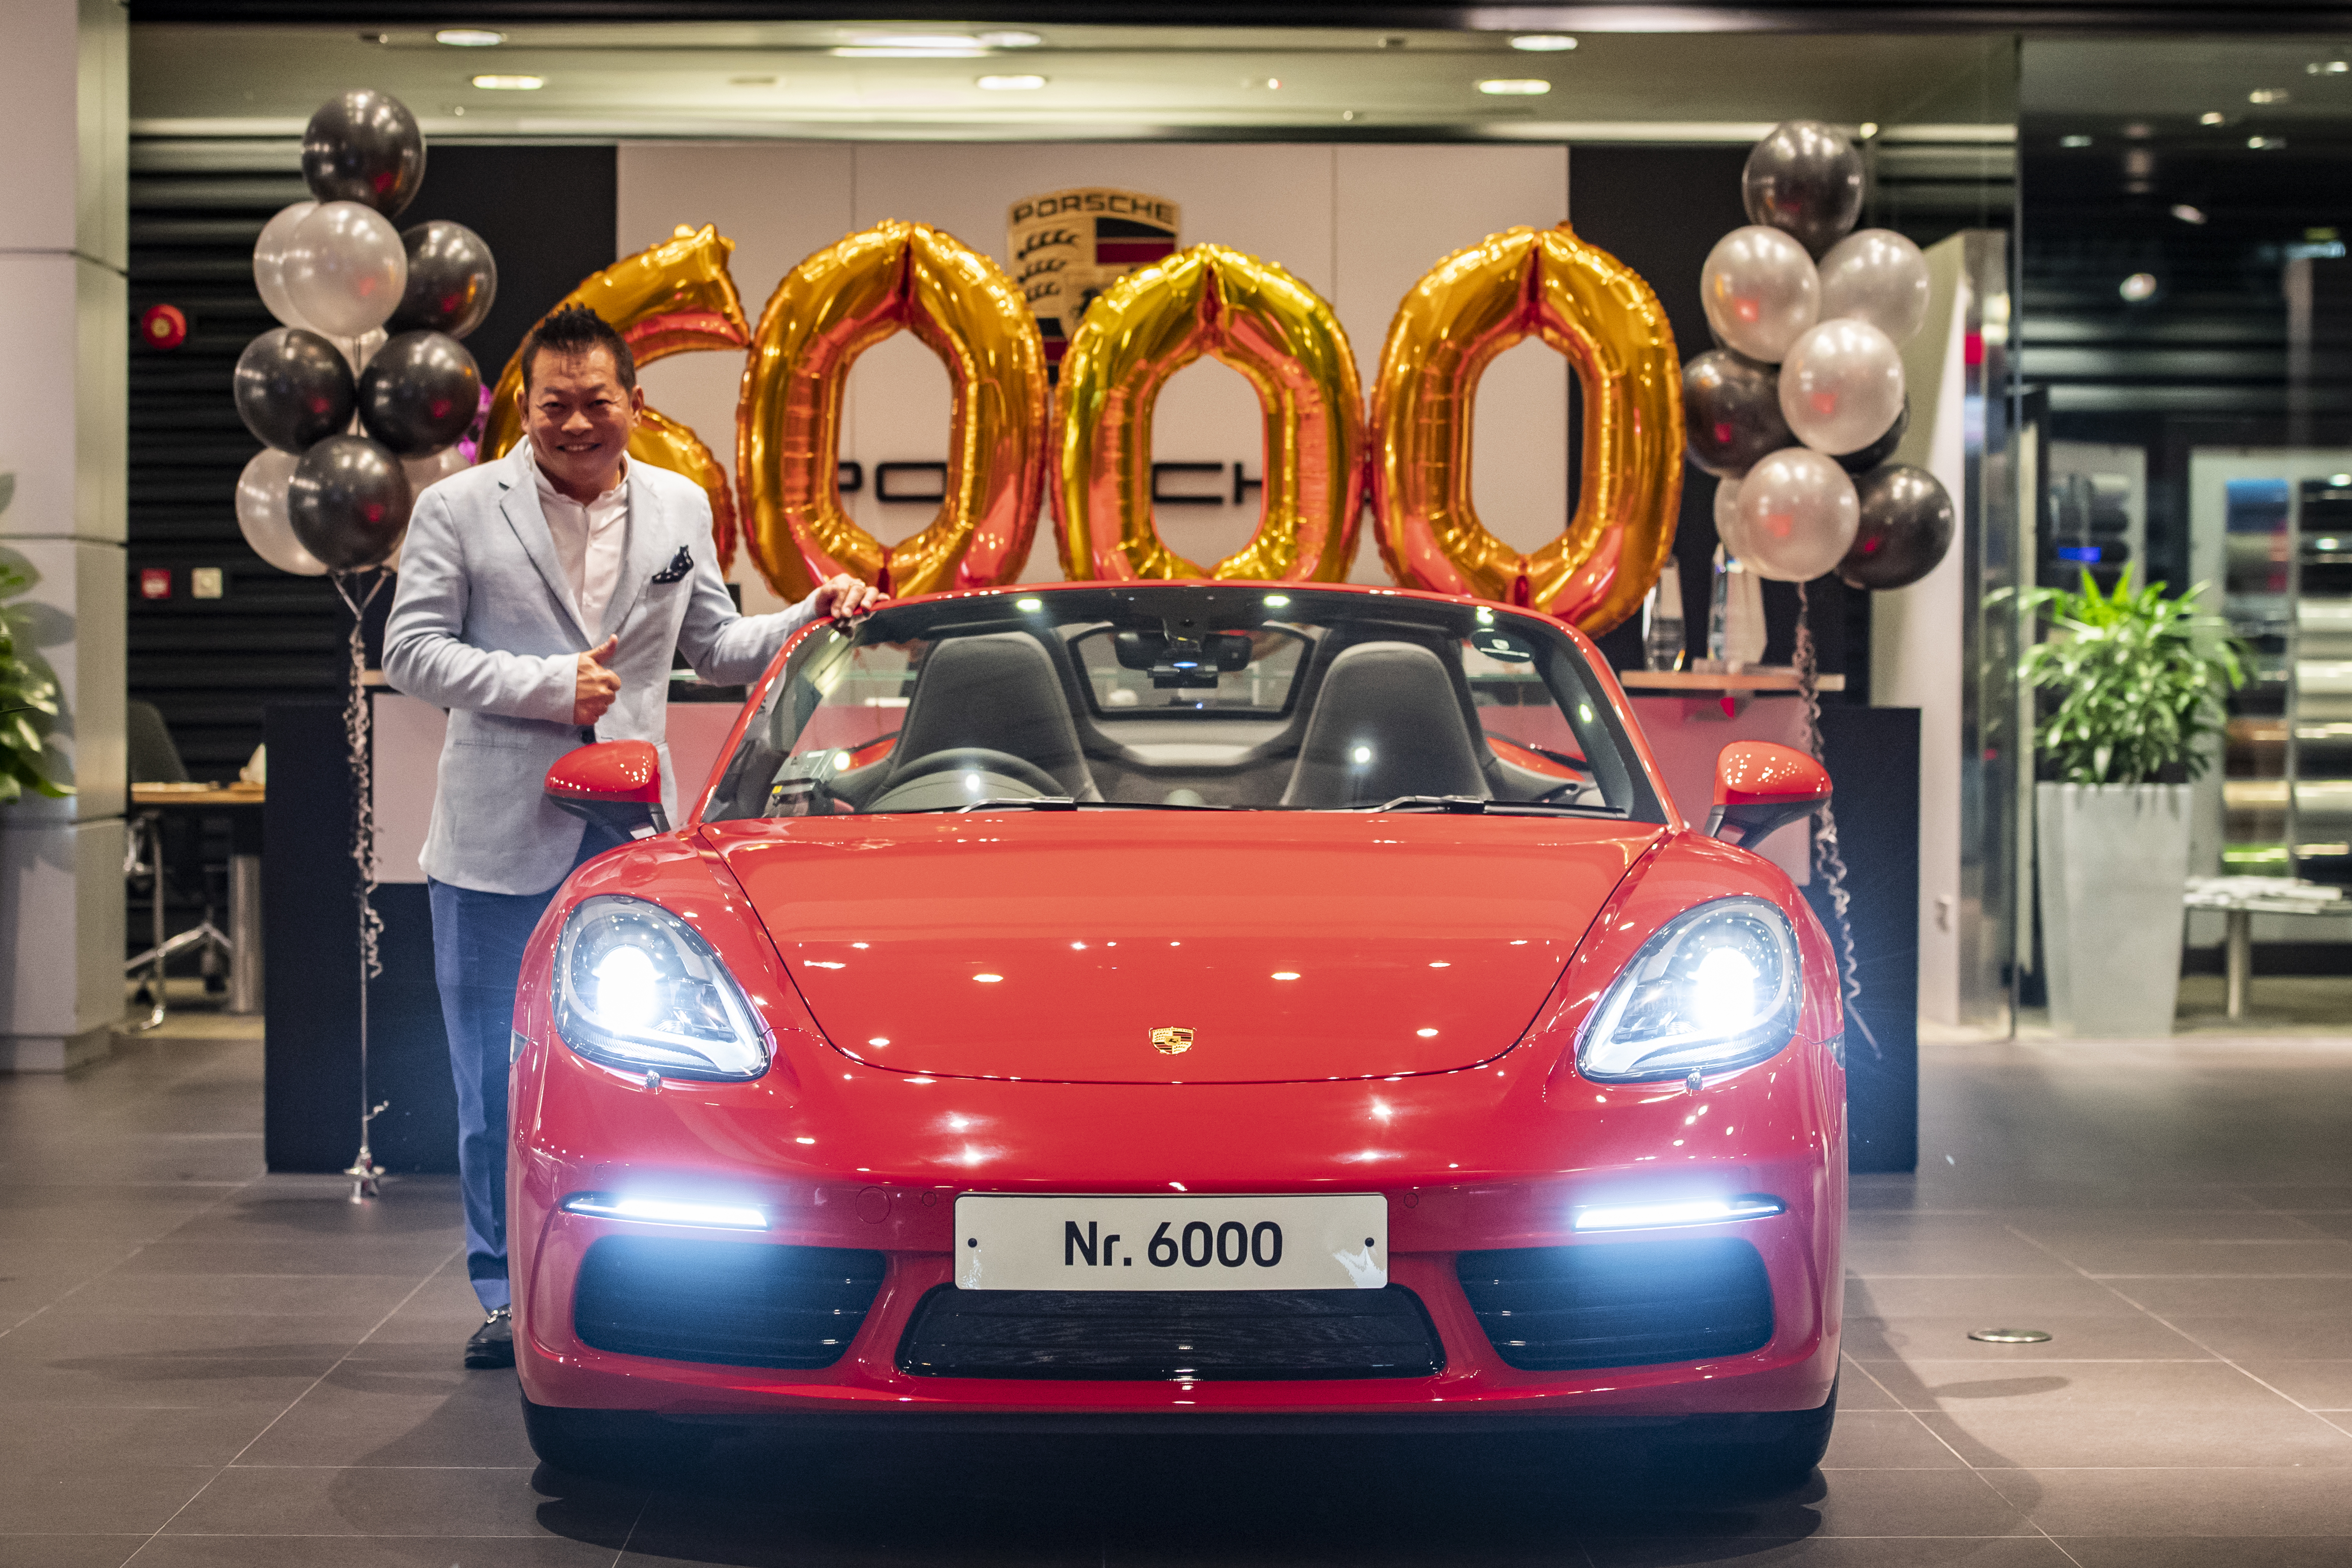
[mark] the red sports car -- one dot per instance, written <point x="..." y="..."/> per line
<point x="1182" y="1005"/>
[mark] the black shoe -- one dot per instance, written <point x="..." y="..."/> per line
<point x="493" y="1343"/>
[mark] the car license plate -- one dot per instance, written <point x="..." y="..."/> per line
<point x="1327" y="1241"/>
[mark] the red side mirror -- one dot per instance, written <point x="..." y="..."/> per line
<point x="616" y="784"/>
<point x="1759" y="787"/>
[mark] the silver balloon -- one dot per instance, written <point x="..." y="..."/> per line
<point x="1727" y="517"/>
<point x="270" y="262"/>
<point x="1806" y="178"/>
<point x="1879" y="277"/>
<point x="1760" y="291"/>
<point x="346" y="268"/>
<point x="433" y="468"/>
<point x="1842" y="386"/>
<point x="1797" y="514"/>
<point x="261" y="514"/>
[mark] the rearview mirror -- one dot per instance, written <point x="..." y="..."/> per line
<point x="1759" y="787"/>
<point x="616" y="784"/>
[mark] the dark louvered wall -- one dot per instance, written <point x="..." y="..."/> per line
<point x="212" y="666"/>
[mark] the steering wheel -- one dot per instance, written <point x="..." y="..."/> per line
<point x="981" y="759"/>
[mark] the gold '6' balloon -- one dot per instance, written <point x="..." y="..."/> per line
<point x="825" y="312"/>
<point x="1471" y="305"/>
<point x="674" y="299"/>
<point x="1275" y="331"/>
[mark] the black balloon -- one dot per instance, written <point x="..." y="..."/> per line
<point x="1805" y="178"/>
<point x="293" y="386"/>
<point x="451" y="280"/>
<point x="419" y="394"/>
<point x="1907" y="527"/>
<point x="1731" y="412"/>
<point x="348" y="502"/>
<point x="363" y="146"/>
<point x="1880" y="450"/>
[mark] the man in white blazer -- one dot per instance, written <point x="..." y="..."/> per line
<point x="540" y="600"/>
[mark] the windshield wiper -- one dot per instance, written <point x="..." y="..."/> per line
<point x="1066" y="803"/>
<point x="1479" y="806"/>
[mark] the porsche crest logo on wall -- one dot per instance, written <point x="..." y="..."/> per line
<point x="1171" y="1042"/>
<point x="1067" y="247"/>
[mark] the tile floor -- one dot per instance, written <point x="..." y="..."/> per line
<point x="200" y="1365"/>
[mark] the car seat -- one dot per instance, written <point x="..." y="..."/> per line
<point x="1387" y="721"/>
<point x="996" y="692"/>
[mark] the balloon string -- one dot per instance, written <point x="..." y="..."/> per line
<point x="1829" y="864"/>
<point x="358" y="727"/>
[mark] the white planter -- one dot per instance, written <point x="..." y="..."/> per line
<point x="2115" y="858"/>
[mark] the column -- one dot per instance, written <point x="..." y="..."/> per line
<point x="63" y="340"/>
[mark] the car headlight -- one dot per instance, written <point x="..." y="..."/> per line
<point x="636" y="987"/>
<point x="1715" y="989"/>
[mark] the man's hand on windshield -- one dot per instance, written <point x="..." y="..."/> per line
<point x="838" y="598"/>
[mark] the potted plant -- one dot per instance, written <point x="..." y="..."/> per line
<point x="2137" y="681"/>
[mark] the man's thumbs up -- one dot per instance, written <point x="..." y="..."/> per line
<point x="595" y="686"/>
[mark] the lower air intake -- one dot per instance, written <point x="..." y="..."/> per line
<point x="1619" y="1303"/>
<point x="737" y="1304"/>
<point x="1211" y="1335"/>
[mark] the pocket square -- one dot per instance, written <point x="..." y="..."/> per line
<point x="679" y="565"/>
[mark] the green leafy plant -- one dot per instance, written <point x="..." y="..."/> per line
<point x="2139" y="679"/>
<point x="28" y="704"/>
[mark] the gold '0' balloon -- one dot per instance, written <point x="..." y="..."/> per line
<point x="1591" y="306"/>
<point x="1254" y="317"/>
<point x="828" y="310"/>
<point x="675" y="298"/>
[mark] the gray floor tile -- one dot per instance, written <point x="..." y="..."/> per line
<point x="333" y="1501"/>
<point x="68" y="1551"/>
<point x="2210" y="1297"/>
<point x="375" y="1413"/>
<point x="1998" y="1298"/>
<point x="97" y="1499"/>
<point x="2127" y="1257"/>
<point x="1868" y="1503"/>
<point x="1999" y="1436"/>
<point x="2285" y="1337"/>
<point x="377" y="1552"/>
<point x="1837" y="1551"/>
<point x="36" y="1438"/>
<point x="2181" y="1503"/>
<point x="1885" y="1440"/>
<point x="2137" y="1337"/>
<point x="2313" y="1384"/>
<point x="2210" y="1552"/>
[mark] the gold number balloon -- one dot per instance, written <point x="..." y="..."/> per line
<point x="825" y="312"/>
<point x="1471" y="305"/>
<point x="1254" y="317"/>
<point x="675" y="298"/>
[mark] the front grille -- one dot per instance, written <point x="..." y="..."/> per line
<point x="1211" y="1335"/>
<point x="1619" y="1303"/>
<point x="739" y="1303"/>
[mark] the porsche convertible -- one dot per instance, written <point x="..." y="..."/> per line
<point x="1175" y="1005"/>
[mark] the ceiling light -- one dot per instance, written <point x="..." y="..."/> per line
<point x="1010" y="84"/>
<point x="2074" y="142"/>
<point x="1011" y="38"/>
<point x="511" y="84"/>
<point x="2268" y="95"/>
<point x="1515" y="86"/>
<point x="914" y="47"/>
<point x="1543" y="43"/>
<point x="2211" y="117"/>
<point x="1866" y="130"/>
<point x="2138" y="289"/>
<point x="2266" y="144"/>
<point x="2327" y="68"/>
<point x="469" y="37"/>
<point x="2189" y="214"/>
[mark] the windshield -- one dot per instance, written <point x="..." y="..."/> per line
<point x="1202" y="696"/>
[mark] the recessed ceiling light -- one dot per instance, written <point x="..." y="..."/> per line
<point x="2268" y="95"/>
<point x="2074" y="142"/>
<point x="511" y="84"/>
<point x="1009" y="84"/>
<point x="1866" y="130"/>
<point x="1543" y="43"/>
<point x="469" y="37"/>
<point x="1011" y="38"/>
<point x="2189" y="214"/>
<point x="2327" y="68"/>
<point x="2266" y="143"/>
<point x="914" y="47"/>
<point x="1515" y="86"/>
<point x="2140" y="287"/>
<point x="2211" y="117"/>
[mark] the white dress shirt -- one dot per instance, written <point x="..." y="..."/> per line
<point x="588" y="540"/>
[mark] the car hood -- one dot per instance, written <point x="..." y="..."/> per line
<point x="1170" y="948"/>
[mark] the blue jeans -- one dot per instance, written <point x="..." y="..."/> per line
<point x="478" y="946"/>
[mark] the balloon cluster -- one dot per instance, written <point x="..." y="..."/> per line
<point x="1801" y="406"/>
<point x="363" y="397"/>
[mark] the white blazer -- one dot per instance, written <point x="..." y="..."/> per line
<point x="483" y="624"/>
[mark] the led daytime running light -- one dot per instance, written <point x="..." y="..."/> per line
<point x="1686" y="1211"/>
<point x="666" y="1211"/>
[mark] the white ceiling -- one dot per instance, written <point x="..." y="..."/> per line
<point x="781" y="80"/>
